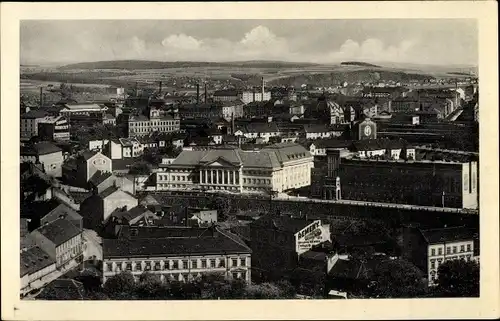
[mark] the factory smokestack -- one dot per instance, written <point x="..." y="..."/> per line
<point x="41" y="97"/>
<point x="253" y="93"/>
<point x="159" y="90"/>
<point x="262" y="88"/>
<point x="197" y="94"/>
<point x="136" y="90"/>
<point x="205" y="92"/>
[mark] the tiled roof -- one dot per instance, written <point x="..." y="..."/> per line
<point x="377" y="144"/>
<point x="288" y="151"/>
<point x="316" y="128"/>
<point x="34" y="259"/>
<point x="131" y="214"/>
<point x="262" y="128"/>
<point x="63" y="289"/>
<point x="450" y="234"/>
<point x="99" y="177"/>
<point x="221" y="244"/>
<point x="88" y="154"/>
<point x="107" y="192"/>
<point x="157" y="232"/>
<point x="61" y="210"/>
<point x="332" y="143"/>
<point x="226" y="92"/>
<point x="32" y="114"/>
<point x="59" y="231"/>
<point x="41" y="148"/>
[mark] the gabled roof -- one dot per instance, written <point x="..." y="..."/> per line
<point x="61" y="210"/>
<point x="63" y="289"/>
<point x="41" y="148"/>
<point x="59" y="231"/>
<point x="131" y="214"/>
<point x="99" y="177"/>
<point x="88" y="155"/>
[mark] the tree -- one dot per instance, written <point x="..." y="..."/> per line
<point x="140" y="168"/>
<point x="263" y="291"/>
<point x="397" y="279"/>
<point x="223" y="207"/>
<point x="120" y="285"/>
<point x="149" y="286"/>
<point x="458" y="278"/>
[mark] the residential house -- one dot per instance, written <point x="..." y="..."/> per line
<point x="61" y="240"/>
<point x="62" y="211"/>
<point x="29" y="123"/>
<point x="317" y="131"/>
<point x="140" y="125"/>
<point x="78" y="170"/>
<point x="97" y="208"/>
<point x="45" y="153"/>
<point x="36" y="264"/>
<point x="53" y="128"/>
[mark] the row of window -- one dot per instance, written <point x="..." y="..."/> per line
<point x="176" y="265"/>
<point x="435" y="263"/>
<point x="159" y="123"/>
<point x="256" y="181"/>
<point x="451" y="249"/>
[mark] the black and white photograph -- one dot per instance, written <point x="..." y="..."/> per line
<point x="249" y="159"/>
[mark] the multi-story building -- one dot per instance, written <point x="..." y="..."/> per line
<point x="140" y="125"/>
<point x="232" y="109"/>
<point x="78" y="170"/>
<point x="45" y="153"/>
<point x="36" y="264"/>
<point x="440" y="183"/>
<point x="278" y="241"/>
<point x="177" y="254"/>
<point x="226" y="95"/>
<point x="259" y="130"/>
<point x="29" y="123"/>
<point x="84" y="114"/>
<point x="278" y="167"/>
<point x="61" y="240"/>
<point x="428" y="249"/>
<point x="54" y="128"/>
<point x="254" y="96"/>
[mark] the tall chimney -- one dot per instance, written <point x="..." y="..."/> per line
<point x="136" y="90"/>
<point x="232" y="124"/>
<point x="253" y="92"/>
<point x="205" y="92"/>
<point x="41" y="97"/>
<point x="159" y="90"/>
<point x="262" y="88"/>
<point x="197" y="94"/>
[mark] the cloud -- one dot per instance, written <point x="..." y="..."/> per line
<point x="181" y="42"/>
<point x="373" y="49"/>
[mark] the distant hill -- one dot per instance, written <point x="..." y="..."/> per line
<point x="145" y="64"/>
<point x="358" y="63"/>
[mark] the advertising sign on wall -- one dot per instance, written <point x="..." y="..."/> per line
<point x="309" y="236"/>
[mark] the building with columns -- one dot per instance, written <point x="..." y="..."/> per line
<point x="177" y="254"/>
<point x="278" y="167"/>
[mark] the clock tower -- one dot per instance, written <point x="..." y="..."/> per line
<point x="364" y="129"/>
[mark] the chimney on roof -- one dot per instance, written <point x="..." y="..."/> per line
<point x="205" y="92"/>
<point x="197" y="94"/>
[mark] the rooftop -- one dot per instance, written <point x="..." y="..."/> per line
<point x="59" y="231"/>
<point x="149" y="247"/>
<point x="34" y="259"/>
<point x="99" y="177"/>
<point x="450" y="234"/>
<point x="41" y="148"/>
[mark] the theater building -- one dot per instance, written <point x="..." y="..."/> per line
<point x="278" y="167"/>
<point x="180" y="254"/>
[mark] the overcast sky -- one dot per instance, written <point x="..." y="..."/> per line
<point x="440" y="42"/>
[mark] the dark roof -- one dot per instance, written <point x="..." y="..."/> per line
<point x="108" y="191"/>
<point x="79" y="197"/>
<point x="450" y="234"/>
<point x="171" y="246"/>
<point x="283" y="223"/>
<point x="332" y="143"/>
<point x="226" y="92"/>
<point x="348" y="269"/>
<point x="157" y="232"/>
<point x="59" y="231"/>
<point x="62" y="210"/>
<point x="314" y="256"/>
<point x="34" y="259"/>
<point x="63" y="289"/>
<point x="32" y="114"/>
<point x="130" y="214"/>
<point x="376" y="144"/>
<point x="88" y="154"/>
<point x="99" y="177"/>
<point x="41" y="148"/>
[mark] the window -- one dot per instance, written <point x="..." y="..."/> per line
<point x="185" y="264"/>
<point x="462" y="248"/>
<point x="157" y="266"/>
<point x="222" y="262"/>
<point x="194" y="264"/>
<point x="176" y="265"/>
<point x="433" y="252"/>
<point x="147" y="266"/>
<point x="138" y="266"/>
<point x="243" y="261"/>
<point x="234" y="262"/>
<point x="433" y="264"/>
<point x="440" y="251"/>
<point x="468" y="248"/>
<point x="128" y="267"/>
<point x="454" y="249"/>
<point x="244" y="275"/>
<point x="109" y="266"/>
<point x="235" y="275"/>
<point x="212" y="263"/>
<point x="167" y="265"/>
<point x="448" y="250"/>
